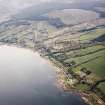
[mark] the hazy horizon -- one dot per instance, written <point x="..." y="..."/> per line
<point x="14" y="5"/>
<point x="11" y="7"/>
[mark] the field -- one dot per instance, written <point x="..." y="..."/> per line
<point x="102" y="87"/>
<point x="74" y="48"/>
<point x="91" y="57"/>
<point x="92" y="35"/>
<point x="73" y="16"/>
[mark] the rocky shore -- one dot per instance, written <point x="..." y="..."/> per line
<point x="61" y="81"/>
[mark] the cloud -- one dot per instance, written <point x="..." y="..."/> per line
<point x="14" y="5"/>
<point x="9" y="7"/>
<point x="17" y="4"/>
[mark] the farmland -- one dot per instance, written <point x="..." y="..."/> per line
<point x="72" y="42"/>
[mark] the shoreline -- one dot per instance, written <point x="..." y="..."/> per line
<point x="60" y="82"/>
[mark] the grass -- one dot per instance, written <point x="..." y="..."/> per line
<point x="97" y="66"/>
<point x="92" y="35"/>
<point x="86" y="50"/>
<point x="82" y="87"/>
<point x="95" y="62"/>
<point x="102" y="87"/>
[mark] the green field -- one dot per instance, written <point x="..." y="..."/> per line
<point x="102" y="87"/>
<point x="92" y="58"/>
<point x="92" y="35"/>
<point x="82" y="87"/>
<point x="86" y="51"/>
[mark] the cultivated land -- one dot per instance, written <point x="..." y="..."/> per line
<point x="78" y="49"/>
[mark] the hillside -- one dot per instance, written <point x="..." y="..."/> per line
<point x="73" y="16"/>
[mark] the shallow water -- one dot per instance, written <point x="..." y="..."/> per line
<point x="28" y="79"/>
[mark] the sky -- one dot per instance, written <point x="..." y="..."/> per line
<point x="14" y="5"/>
<point x="20" y="4"/>
<point x="9" y="7"/>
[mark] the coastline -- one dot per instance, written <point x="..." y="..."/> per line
<point x="60" y="82"/>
